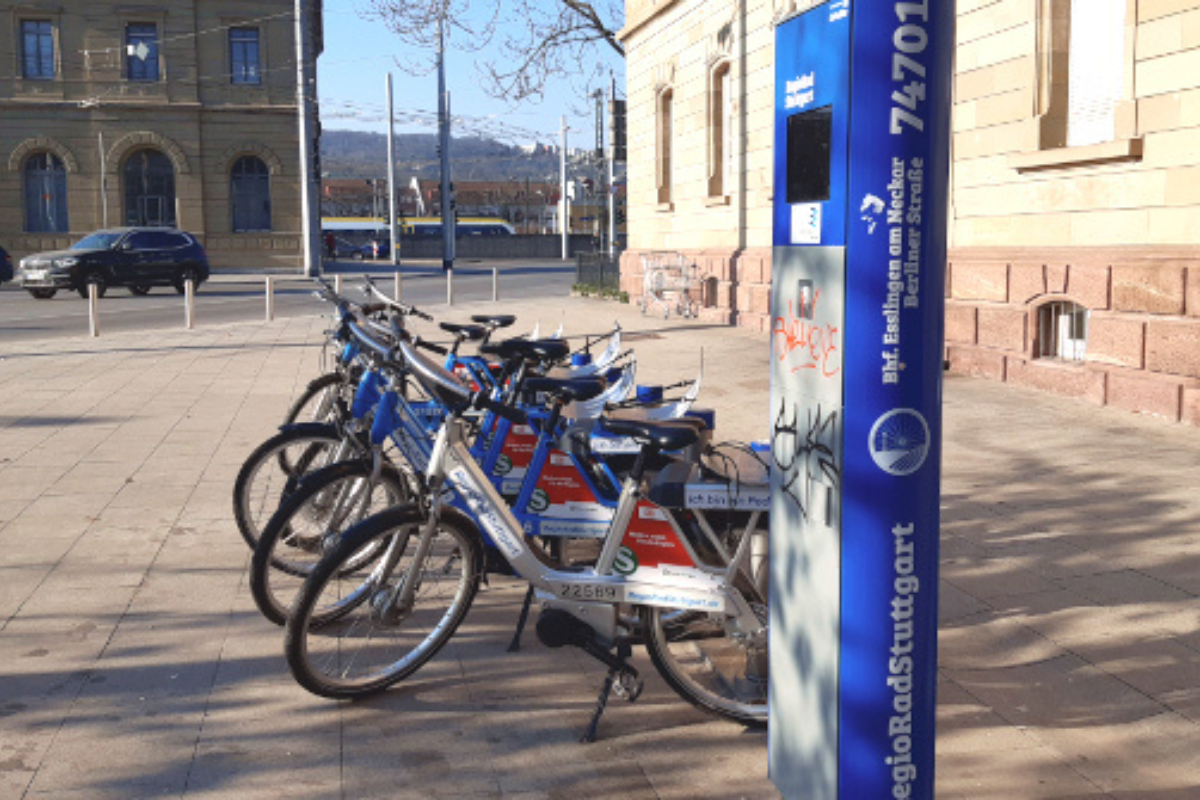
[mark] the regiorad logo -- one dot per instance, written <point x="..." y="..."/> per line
<point x="503" y="466"/>
<point x="900" y="441"/>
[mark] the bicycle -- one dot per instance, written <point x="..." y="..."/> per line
<point x="356" y="629"/>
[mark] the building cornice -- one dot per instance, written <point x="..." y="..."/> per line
<point x="641" y="12"/>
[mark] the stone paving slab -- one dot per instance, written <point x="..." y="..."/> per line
<point x="135" y="664"/>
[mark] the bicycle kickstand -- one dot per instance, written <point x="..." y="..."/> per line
<point x="515" y="644"/>
<point x="621" y="679"/>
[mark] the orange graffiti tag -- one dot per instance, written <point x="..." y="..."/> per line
<point x="804" y="340"/>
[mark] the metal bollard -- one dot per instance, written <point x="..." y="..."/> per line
<point x="495" y="284"/>
<point x="450" y="287"/>
<point x="93" y="311"/>
<point x="270" y="298"/>
<point x="396" y="293"/>
<point x="337" y="284"/>
<point x="189" y="304"/>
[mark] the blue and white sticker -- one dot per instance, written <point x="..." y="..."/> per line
<point x="899" y="441"/>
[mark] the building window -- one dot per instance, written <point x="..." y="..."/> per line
<point x="244" y="64"/>
<point x="45" y="194"/>
<point x="720" y="127"/>
<point x="141" y="52"/>
<point x="1085" y="63"/>
<point x="1062" y="331"/>
<point x="37" y="49"/>
<point x="250" y="195"/>
<point x="149" y="189"/>
<point x="665" y="145"/>
<point x="1096" y="70"/>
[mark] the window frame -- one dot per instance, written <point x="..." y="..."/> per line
<point x="155" y="58"/>
<point x="234" y="46"/>
<point x="49" y="36"/>
<point x="54" y="176"/>
<point x="131" y="200"/>
<point x="721" y="143"/>
<point x="264" y="176"/>
<point x="664" y="163"/>
<point x="1052" y="87"/>
<point x="1051" y="343"/>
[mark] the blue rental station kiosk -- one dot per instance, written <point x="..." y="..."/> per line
<point x="862" y="106"/>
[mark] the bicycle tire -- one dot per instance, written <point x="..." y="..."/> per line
<point x="307" y="523"/>
<point x="336" y="655"/>
<point x="274" y="469"/>
<point x="326" y="399"/>
<point x="705" y="665"/>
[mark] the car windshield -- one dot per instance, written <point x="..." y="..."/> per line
<point x="101" y="240"/>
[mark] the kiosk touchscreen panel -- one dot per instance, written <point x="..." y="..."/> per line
<point x="809" y="136"/>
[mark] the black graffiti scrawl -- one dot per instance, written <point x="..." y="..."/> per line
<point x="806" y="455"/>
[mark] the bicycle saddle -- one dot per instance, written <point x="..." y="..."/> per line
<point x="495" y="320"/>
<point x="569" y="389"/>
<point x="535" y="350"/>
<point x="471" y="333"/>
<point x="639" y="414"/>
<point x="674" y="434"/>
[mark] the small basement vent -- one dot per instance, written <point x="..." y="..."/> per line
<point x="1062" y="331"/>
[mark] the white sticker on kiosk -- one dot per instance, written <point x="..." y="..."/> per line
<point x="806" y="223"/>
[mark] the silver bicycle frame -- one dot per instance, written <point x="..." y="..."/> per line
<point x="591" y="594"/>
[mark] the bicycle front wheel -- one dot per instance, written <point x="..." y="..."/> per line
<point x="309" y="523"/>
<point x="375" y="638"/>
<point x="273" y="471"/>
<point x="717" y="662"/>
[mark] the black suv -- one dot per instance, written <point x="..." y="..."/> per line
<point x="137" y="258"/>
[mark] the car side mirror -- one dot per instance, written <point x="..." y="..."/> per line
<point x="125" y="246"/>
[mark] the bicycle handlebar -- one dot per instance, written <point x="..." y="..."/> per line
<point x="404" y="308"/>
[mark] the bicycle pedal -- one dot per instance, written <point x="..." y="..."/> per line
<point x="628" y="686"/>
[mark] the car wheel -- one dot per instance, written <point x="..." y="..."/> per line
<point x="139" y="290"/>
<point x="183" y="276"/>
<point x="96" y="279"/>
<point x="43" y="294"/>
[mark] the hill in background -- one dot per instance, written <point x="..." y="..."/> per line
<point x="357" y="154"/>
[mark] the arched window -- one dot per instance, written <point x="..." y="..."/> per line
<point x="1096" y="71"/>
<point x="149" y="189"/>
<point x="720" y="130"/>
<point x="250" y="194"/>
<point x="666" y="144"/>
<point x="1062" y="331"/>
<point x="45" y="194"/>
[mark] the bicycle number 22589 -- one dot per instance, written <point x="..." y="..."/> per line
<point x="587" y="591"/>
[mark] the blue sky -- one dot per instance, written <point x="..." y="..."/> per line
<point x="359" y="52"/>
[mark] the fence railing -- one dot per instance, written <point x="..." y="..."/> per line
<point x="598" y="270"/>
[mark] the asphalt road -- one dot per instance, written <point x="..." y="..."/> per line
<point x="240" y="297"/>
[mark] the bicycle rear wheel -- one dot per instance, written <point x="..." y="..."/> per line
<point x="715" y="661"/>
<point x="273" y="471"/>
<point x="308" y="524"/>
<point x="347" y="636"/>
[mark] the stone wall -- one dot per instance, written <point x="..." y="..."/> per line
<point x="730" y="287"/>
<point x="1143" y="323"/>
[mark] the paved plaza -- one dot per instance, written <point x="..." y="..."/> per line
<point x="135" y="664"/>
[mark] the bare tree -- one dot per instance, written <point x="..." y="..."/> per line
<point x="541" y="40"/>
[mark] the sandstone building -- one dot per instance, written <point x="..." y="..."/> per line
<point x="1074" y="227"/>
<point x="173" y="113"/>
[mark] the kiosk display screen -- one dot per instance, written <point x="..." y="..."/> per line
<point x="808" y="155"/>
